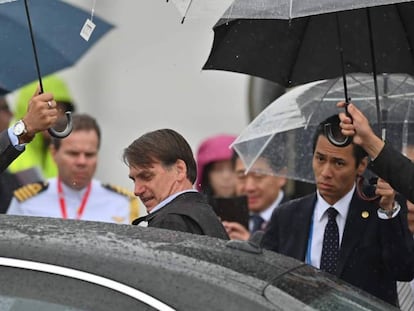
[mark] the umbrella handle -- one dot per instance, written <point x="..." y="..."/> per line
<point x="66" y="131"/>
<point x="341" y="141"/>
<point x="338" y="140"/>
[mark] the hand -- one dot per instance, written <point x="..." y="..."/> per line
<point x="236" y="231"/>
<point x="358" y="127"/>
<point x="387" y="194"/>
<point x="39" y="115"/>
<point x="410" y="216"/>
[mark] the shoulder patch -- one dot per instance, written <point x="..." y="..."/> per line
<point x="30" y="190"/>
<point x="120" y="190"/>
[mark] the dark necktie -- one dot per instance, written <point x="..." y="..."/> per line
<point x="257" y="222"/>
<point x="330" y="248"/>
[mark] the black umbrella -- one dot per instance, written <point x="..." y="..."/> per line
<point x="293" y="51"/>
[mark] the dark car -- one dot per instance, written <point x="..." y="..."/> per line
<point x="53" y="264"/>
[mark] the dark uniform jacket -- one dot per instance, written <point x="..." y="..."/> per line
<point x="374" y="252"/>
<point x="7" y="151"/>
<point x="396" y="169"/>
<point x="188" y="212"/>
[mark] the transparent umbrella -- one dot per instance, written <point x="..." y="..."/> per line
<point x="288" y="9"/>
<point x="201" y="8"/>
<point x="283" y="132"/>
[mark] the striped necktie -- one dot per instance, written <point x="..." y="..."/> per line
<point x="405" y="296"/>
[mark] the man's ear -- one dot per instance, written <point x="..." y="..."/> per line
<point x="181" y="169"/>
<point x="362" y="166"/>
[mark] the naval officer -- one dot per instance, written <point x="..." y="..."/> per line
<point x="75" y="193"/>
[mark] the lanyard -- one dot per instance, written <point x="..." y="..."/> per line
<point x="62" y="202"/>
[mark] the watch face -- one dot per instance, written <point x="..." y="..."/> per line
<point x="18" y="128"/>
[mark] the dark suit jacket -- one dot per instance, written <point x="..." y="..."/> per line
<point x="188" y="212"/>
<point x="7" y="151"/>
<point x="374" y="252"/>
<point x="396" y="169"/>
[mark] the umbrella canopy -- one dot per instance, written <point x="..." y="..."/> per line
<point x="287" y="9"/>
<point x="56" y="26"/>
<point x="201" y="8"/>
<point x="283" y="132"/>
<point x="304" y="49"/>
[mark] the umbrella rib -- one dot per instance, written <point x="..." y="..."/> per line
<point x="405" y="31"/>
<point x="399" y="85"/>
<point x="259" y="152"/>
<point x="298" y="50"/>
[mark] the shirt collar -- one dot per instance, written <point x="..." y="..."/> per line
<point x="267" y="213"/>
<point x="342" y="206"/>
<point x="169" y="199"/>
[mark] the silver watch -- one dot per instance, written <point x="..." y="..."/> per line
<point x="19" y="128"/>
<point x="390" y="212"/>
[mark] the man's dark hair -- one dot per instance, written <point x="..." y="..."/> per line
<point x="164" y="145"/>
<point x="358" y="152"/>
<point x="80" y="122"/>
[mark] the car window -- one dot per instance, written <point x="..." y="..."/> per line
<point x="315" y="290"/>
<point x="29" y="290"/>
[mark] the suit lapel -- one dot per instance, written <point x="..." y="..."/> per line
<point x="359" y="214"/>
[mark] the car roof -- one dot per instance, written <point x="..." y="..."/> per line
<point x="177" y="267"/>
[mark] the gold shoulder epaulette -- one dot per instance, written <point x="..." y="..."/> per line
<point x="120" y="190"/>
<point x="30" y="190"/>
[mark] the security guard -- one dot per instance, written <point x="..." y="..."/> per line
<point x="75" y="193"/>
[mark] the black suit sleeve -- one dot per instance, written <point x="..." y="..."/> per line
<point x="396" y="169"/>
<point x="7" y="152"/>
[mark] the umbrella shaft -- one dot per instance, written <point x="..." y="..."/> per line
<point x="29" y="22"/>
<point x="374" y="72"/>
<point x="341" y="55"/>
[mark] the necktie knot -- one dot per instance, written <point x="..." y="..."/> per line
<point x="332" y="212"/>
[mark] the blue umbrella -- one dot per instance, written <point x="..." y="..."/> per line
<point x="42" y="40"/>
<point x="56" y="27"/>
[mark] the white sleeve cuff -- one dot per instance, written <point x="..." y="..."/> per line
<point x="389" y="214"/>
<point x="15" y="140"/>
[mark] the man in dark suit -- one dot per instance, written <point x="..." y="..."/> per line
<point x="41" y="115"/>
<point x="373" y="247"/>
<point x="264" y="194"/>
<point x="162" y="167"/>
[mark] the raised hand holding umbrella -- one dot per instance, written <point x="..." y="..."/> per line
<point x="59" y="42"/>
<point x="68" y="114"/>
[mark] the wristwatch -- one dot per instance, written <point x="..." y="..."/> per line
<point x="19" y="128"/>
<point x="388" y="213"/>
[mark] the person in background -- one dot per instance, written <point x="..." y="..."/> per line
<point x="8" y="181"/>
<point x="365" y="243"/>
<point x="264" y="194"/>
<point x="38" y="154"/>
<point x="163" y="169"/>
<point x="41" y="114"/>
<point x="75" y="193"/>
<point x="215" y="172"/>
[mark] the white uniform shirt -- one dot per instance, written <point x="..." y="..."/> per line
<point x="103" y="204"/>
